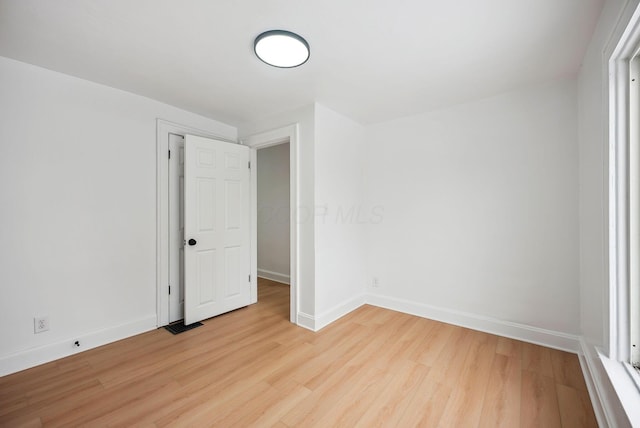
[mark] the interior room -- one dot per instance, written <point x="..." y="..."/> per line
<point x="428" y="216"/>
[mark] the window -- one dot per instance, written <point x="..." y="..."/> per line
<point x="624" y="204"/>
<point x="623" y="222"/>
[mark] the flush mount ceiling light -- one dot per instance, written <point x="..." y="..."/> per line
<point x="281" y="48"/>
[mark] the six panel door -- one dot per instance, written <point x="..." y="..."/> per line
<point x="216" y="222"/>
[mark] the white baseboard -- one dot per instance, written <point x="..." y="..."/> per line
<point x="339" y="311"/>
<point x="274" y="276"/>
<point x="307" y="321"/>
<point x="595" y="391"/>
<point x="314" y="323"/>
<point x="539" y="336"/>
<point x="43" y="354"/>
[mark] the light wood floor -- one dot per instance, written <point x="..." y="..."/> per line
<point x="251" y="367"/>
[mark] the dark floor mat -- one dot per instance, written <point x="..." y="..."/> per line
<point x="179" y="327"/>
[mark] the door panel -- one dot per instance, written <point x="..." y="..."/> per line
<point x="217" y="218"/>
<point x="206" y="279"/>
<point x="233" y="206"/>
<point x="206" y="205"/>
<point x="233" y="267"/>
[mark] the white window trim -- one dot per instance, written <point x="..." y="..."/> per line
<point x="634" y="209"/>
<point x="624" y="208"/>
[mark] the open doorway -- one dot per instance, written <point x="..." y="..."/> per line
<point x="285" y="135"/>
<point x="274" y="222"/>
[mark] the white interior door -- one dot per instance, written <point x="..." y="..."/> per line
<point x="217" y="224"/>
<point x="176" y="227"/>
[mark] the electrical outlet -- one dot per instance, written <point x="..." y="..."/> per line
<point x="40" y="324"/>
<point x="375" y="283"/>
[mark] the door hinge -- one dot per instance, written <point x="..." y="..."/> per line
<point x="169" y="154"/>
<point x="249" y="164"/>
<point x="249" y="278"/>
<point x="169" y="289"/>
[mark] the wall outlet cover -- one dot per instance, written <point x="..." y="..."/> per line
<point x="40" y="324"/>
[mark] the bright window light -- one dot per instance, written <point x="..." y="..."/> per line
<point x="281" y="48"/>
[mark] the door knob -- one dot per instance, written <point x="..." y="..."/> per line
<point x="192" y="242"/>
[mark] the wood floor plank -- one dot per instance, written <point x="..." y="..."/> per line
<point x="539" y="401"/>
<point x="222" y="383"/>
<point x="351" y="404"/>
<point x="11" y="406"/>
<point x="566" y="369"/>
<point x="315" y="375"/>
<point x="55" y="404"/>
<point x="279" y="402"/>
<point x="434" y="343"/>
<point x="394" y="347"/>
<point x="587" y="407"/>
<point x="390" y="405"/>
<point x="326" y="395"/>
<point x="252" y="367"/>
<point x="26" y="421"/>
<point x="414" y="340"/>
<point x="243" y="409"/>
<point x="509" y="347"/>
<point x="501" y="406"/>
<point x="426" y="406"/>
<point x="191" y="397"/>
<point x="536" y="358"/>
<point x="573" y="413"/>
<point x="449" y="364"/>
<point x="349" y="411"/>
<point x="105" y="402"/>
<point x="140" y="410"/>
<point x="465" y="403"/>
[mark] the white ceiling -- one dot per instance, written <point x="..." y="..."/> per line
<point x="371" y="60"/>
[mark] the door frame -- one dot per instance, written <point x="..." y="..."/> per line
<point x="163" y="129"/>
<point x="261" y="141"/>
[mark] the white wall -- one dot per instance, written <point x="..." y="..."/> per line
<point x="332" y="251"/>
<point x="273" y="212"/>
<point x="480" y="209"/>
<point x="78" y="189"/>
<point x="594" y="220"/>
<point x="342" y="217"/>
<point x="305" y="118"/>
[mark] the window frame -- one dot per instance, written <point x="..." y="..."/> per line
<point x="633" y="237"/>
<point x="624" y="200"/>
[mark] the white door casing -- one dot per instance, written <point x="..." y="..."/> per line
<point x="217" y="228"/>
<point x="286" y="134"/>
<point x="176" y="227"/>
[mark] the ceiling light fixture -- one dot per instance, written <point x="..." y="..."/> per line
<point x="281" y="48"/>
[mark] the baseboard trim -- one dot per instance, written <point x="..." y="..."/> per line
<point x="595" y="392"/>
<point x="314" y="323"/>
<point x="306" y="321"/>
<point x="274" y="276"/>
<point x="23" y="360"/>
<point x="539" y="336"/>
<point x="339" y="311"/>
